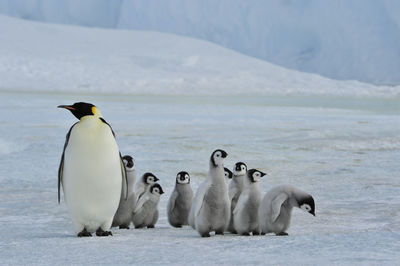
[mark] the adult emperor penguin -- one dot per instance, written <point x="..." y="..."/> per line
<point x="228" y="174"/>
<point x="146" y="212"/>
<point x="245" y="214"/>
<point x="211" y="207"/>
<point x="235" y="188"/>
<point x="276" y="208"/>
<point x="146" y="180"/>
<point x="124" y="214"/>
<point x="91" y="171"/>
<point x="180" y="201"/>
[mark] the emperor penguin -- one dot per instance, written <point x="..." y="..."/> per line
<point x="146" y="212"/>
<point x="180" y="201"/>
<point x="228" y="174"/>
<point x="276" y="208"/>
<point x="245" y="214"/>
<point x="235" y="188"/>
<point x="141" y="185"/>
<point x="91" y="171"/>
<point x="211" y="207"/>
<point x="123" y="217"/>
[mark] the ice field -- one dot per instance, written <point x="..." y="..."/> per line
<point x="343" y="150"/>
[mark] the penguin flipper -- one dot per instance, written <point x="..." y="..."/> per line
<point x="200" y="197"/>
<point x="142" y="200"/>
<point x="171" y="202"/>
<point x="124" y="176"/>
<point x="241" y="203"/>
<point x="61" y="167"/>
<point x="123" y="169"/>
<point x="276" y="205"/>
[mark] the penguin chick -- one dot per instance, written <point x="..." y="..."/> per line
<point x="228" y="174"/>
<point x="245" y="214"/>
<point x="141" y="186"/>
<point x="123" y="217"/>
<point x="235" y="188"/>
<point x="146" y="212"/>
<point x="180" y="201"/>
<point x="91" y="171"/>
<point x="211" y="207"/>
<point x="276" y="208"/>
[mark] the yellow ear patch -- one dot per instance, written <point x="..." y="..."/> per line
<point x="94" y="110"/>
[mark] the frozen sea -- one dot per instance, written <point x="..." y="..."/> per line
<point x="343" y="151"/>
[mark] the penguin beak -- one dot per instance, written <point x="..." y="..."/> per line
<point x="69" y="107"/>
<point x="156" y="179"/>
<point x="313" y="213"/>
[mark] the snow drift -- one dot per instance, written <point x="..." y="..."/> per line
<point x="46" y="57"/>
<point x="357" y="39"/>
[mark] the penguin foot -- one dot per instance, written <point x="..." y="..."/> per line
<point x="282" y="234"/>
<point x="245" y="234"/>
<point x="263" y="234"/>
<point x="219" y="232"/>
<point x="178" y="226"/>
<point x="123" y="227"/>
<point x="150" y="226"/>
<point x="205" y="235"/>
<point x="101" y="232"/>
<point x="256" y="233"/>
<point x="84" y="233"/>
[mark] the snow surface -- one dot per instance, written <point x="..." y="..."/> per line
<point x="346" y="156"/>
<point x="45" y="57"/>
<point x="341" y="39"/>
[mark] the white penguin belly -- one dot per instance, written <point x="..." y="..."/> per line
<point x="92" y="178"/>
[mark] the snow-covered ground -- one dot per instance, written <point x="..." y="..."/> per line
<point x="346" y="156"/>
<point x="46" y="57"/>
<point x="341" y="39"/>
<point x="172" y="101"/>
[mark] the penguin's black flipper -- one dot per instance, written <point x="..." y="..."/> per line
<point x="61" y="167"/>
<point x="123" y="169"/>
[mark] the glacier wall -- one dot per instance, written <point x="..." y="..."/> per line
<point x="341" y="39"/>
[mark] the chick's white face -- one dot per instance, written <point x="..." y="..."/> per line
<point x="257" y="176"/>
<point x="129" y="165"/>
<point x="218" y="159"/>
<point x="156" y="191"/>
<point x="240" y="169"/>
<point x="150" y="180"/>
<point x="306" y="207"/>
<point x="182" y="179"/>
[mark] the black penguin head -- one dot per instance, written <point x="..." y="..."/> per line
<point x="182" y="178"/>
<point x="307" y="204"/>
<point x="255" y="175"/>
<point x="228" y="173"/>
<point x="217" y="157"/>
<point x="240" y="168"/>
<point x="128" y="162"/>
<point x="81" y="109"/>
<point x="156" y="189"/>
<point x="149" y="178"/>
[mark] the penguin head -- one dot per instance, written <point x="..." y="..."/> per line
<point x="82" y="109"/>
<point x="240" y="168"/>
<point x="156" y="189"/>
<point x="217" y="157"/>
<point x="228" y="174"/>
<point x="128" y="162"/>
<point x="307" y="204"/>
<point x="255" y="175"/>
<point x="182" y="178"/>
<point x="149" y="178"/>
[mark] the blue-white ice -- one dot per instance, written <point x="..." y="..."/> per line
<point x="344" y="151"/>
<point x="340" y="39"/>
